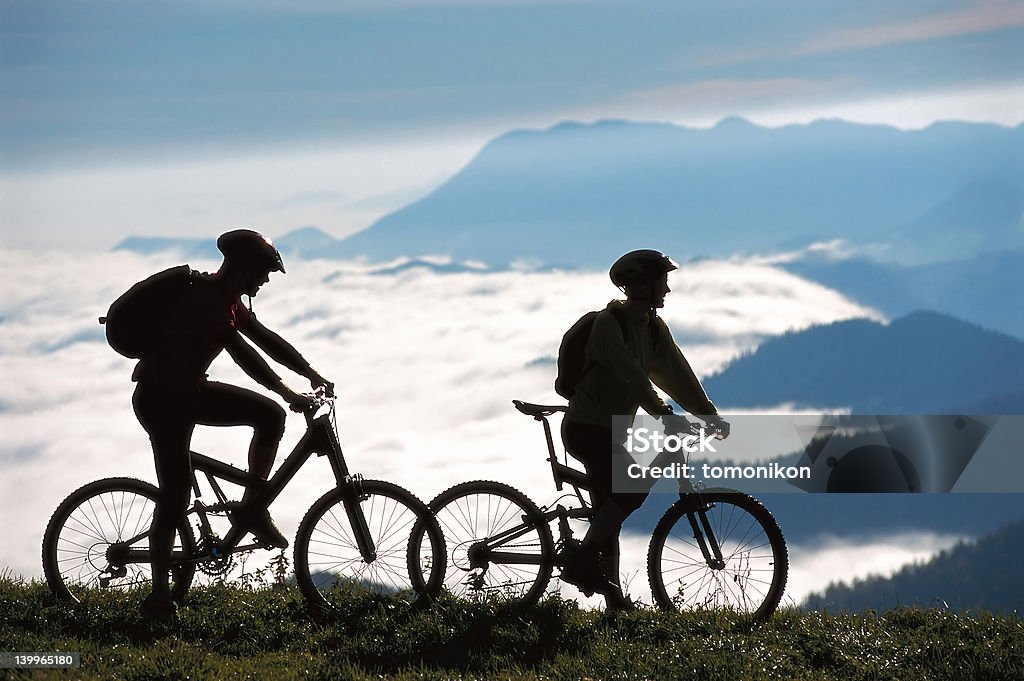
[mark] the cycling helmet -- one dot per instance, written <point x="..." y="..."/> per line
<point x="644" y="264"/>
<point x="250" y="248"/>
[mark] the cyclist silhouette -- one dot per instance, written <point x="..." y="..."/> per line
<point x="629" y="346"/>
<point x="173" y="394"/>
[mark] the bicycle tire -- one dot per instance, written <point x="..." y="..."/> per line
<point x="96" y="516"/>
<point x="752" y="580"/>
<point x="471" y="511"/>
<point x="410" y="562"/>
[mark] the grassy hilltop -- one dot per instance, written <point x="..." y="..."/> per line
<point x="230" y="632"/>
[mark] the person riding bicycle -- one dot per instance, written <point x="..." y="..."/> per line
<point x="173" y="393"/>
<point x="629" y="347"/>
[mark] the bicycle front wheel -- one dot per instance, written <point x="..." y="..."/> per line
<point x="98" y="538"/>
<point x="407" y="561"/>
<point x="500" y="546"/>
<point x="754" y="563"/>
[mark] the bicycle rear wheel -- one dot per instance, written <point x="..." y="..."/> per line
<point x="481" y="563"/>
<point x="99" y="538"/>
<point x="409" y="561"/>
<point x="756" y="562"/>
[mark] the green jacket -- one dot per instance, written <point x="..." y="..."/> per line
<point x="622" y="366"/>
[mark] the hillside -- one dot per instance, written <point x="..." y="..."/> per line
<point x="922" y="363"/>
<point x="581" y="194"/>
<point x="228" y="632"/>
<point x="987" y="575"/>
<point x="984" y="289"/>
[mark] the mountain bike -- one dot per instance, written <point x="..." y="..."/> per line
<point x="713" y="549"/>
<point x="364" y="536"/>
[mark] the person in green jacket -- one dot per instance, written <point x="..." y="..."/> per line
<point x="629" y="347"/>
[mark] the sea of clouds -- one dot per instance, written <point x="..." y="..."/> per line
<point x="426" y="365"/>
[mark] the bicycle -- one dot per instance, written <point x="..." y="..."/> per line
<point x="712" y="549"/>
<point x="363" y="536"/>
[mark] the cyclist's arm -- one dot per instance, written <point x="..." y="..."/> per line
<point x="672" y="373"/>
<point x="282" y="351"/>
<point x="256" y="367"/>
<point x="607" y="347"/>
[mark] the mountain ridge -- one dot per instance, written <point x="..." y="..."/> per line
<point x="923" y="363"/>
<point x="584" y="191"/>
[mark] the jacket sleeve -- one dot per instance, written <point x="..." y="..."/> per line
<point x="672" y="373"/>
<point x="607" y="348"/>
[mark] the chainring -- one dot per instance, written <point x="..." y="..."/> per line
<point x="213" y="566"/>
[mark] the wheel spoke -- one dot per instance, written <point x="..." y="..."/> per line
<point x="471" y="516"/>
<point x="89" y="522"/>
<point x="329" y="557"/>
<point x="753" y="575"/>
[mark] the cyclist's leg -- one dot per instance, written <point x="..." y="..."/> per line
<point x="220" y="404"/>
<point x="602" y="458"/>
<point x="593" y="446"/>
<point x="620" y="507"/>
<point x="164" y="415"/>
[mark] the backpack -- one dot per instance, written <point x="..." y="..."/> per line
<point x="572" y="350"/>
<point x="572" y="356"/>
<point x="134" y="321"/>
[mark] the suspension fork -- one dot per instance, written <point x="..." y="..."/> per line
<point x="324" y="441"/>
<point x="704" y="535"/>
<point x="352" y="495"/>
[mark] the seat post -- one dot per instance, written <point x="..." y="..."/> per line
<point x="552" y="457"/>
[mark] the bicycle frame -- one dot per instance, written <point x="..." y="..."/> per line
<point x="696" y="512"/>
<point x="320" y="438"/>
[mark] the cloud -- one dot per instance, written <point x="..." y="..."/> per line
<point x="982" y="17"/>
<point x="704" y="102"/>
<point x="978" y="18"/>
<point x="999" y="102"/>
<point x="814" y="566"/>
<point x="426" y="366"/>
<point x="374" y="6"/>
<point x="727" y="94"/>
<point x="335" y="187"/>
<point x="309" y="198"/>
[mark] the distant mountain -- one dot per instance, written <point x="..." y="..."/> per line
<point x="981" y="216"/>
<point x="306" y="242"/>
<point x="987" y="575"/>
<point x="581" y="194"/>
<point x="189" y="248"/>
<point x="985" y="289"/>
<point x="419" y="264"/>
<point x="923" y="363"/>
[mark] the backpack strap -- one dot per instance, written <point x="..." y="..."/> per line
<point x="620" y="317"/>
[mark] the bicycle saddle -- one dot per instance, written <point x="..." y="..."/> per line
<point x="537" y="410"/>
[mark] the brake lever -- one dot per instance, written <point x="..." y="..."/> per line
<point x="317" y="400"/>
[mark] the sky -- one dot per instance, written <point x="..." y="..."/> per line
<point x="181" y="118"/>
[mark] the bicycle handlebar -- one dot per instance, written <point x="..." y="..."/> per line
<point x="318" y="399"/>
<point x="681" y="424"/>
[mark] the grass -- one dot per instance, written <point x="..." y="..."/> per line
<point x="231" y="632"/>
